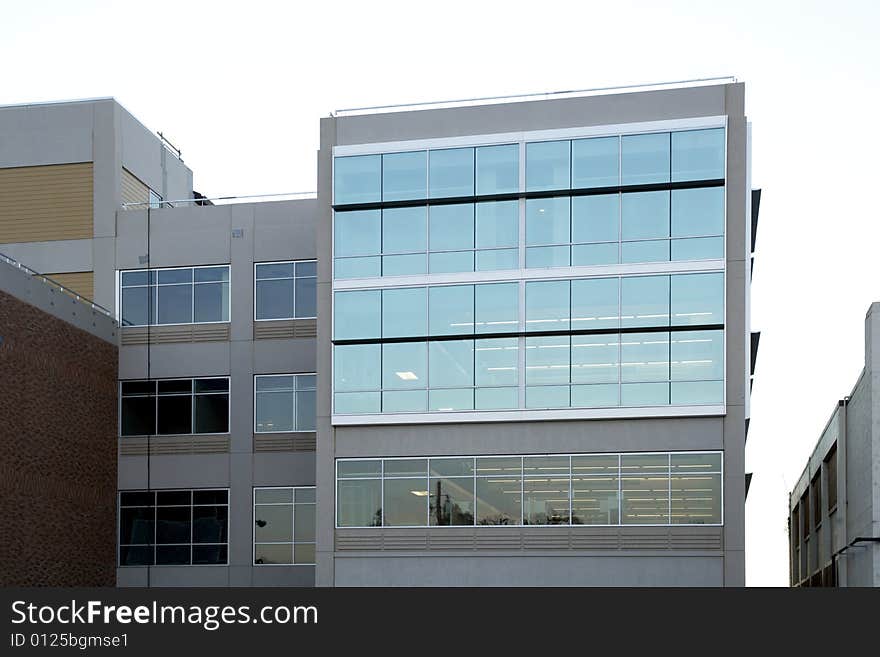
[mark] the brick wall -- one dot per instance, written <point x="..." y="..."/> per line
<point x="57" y="451"/>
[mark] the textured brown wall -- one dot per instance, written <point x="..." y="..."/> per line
<point x="57" y="451"/>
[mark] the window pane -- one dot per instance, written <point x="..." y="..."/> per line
<point x="357" y="233"/>
<point x="275" y="270"/>
<point x="175" y="415"/>
<point x="451" y="261"/>
<point x="548" y="165"/>
<point x="211" y="302"/>
<point x="645" y="251"/>
<point x="451" y="501"/>
<point x="545" y="500"/>
<point x="304" y="519"/>
<point x="405" y="401"/>
<point x="497" y="259"/>
<point x="644" y="301"/>
<point x="138" y="416"/>
<point x="359" y="503"/>
<point x="595" y="395"/>
<point x="273" y="553"/>
<point x="404" y="230"/>
<point x="307" y="268"/>
<point x="452" y="467"/>
<point x="451" y="309"/>
<point x="306" y="297"/>
<point x="451" y="172"/>
<point x="274" y="411"/>
<point x="356" y="469"/>
<point x="498" y="169"/>
<point x="272" y="383"/>
<point x="644" y="357"/>
<point x="697" y="212"/>
<point x="451" y="399"/>
<point x="698" y="154"/>
<point x="357" y="367"/>
<point x="645" y="159"/>
<point x="548" y="305"/>
<point x="644" y="394"/>
<point x="173" y="524"/>
<point x="548" y="360"/>
<point x="594" y="303"/>
<point x="175" y="304"/>
<point x="645" y="215"/>
<point x="357" y="267"/>
<point x="547" y="256"/>
<point x="404" y="265"/>
<point x="405" y="467"/>
<point x="172" y="276"/>
<point x="452" y="227"/>
<point x="174" y="386"/>
<point x="212" y="414"/>
<point x="404" y="312"/>
<point x="275" y="299"/>
<point x="356" y="314"/>
<point x="595" y="254"/>
<point x="136" y="525"/>
<point x="496" y="362"/>
<point x="211" y="274"/>
<point x="595" y="218"/>
<point x="356" y="402"/>
<point x="696" y="499"/>
<point x="211" y="385"/>
<point x="497" y="224"/>
<point x="595" y="162"/>
<point x="698" y="248"/>
<point x="210" y="523"/>
<point x="595" y="358"/>
<point x="135" y="305"/>
<point x="138" y="388"/>
<point x="691" y="462"/>
<point x="645" y="500"/>
<point x="548" y="221"/>
<point x="697" y="356"/>
<point x="595" y="500"/>
<point x="548" y="397"/>
<point x="697" y="299"/>
<point x="490" y="399"/>
<point x="451" y="364"/>
<point x="135" y="277"/>
<point x="406" y="502"/>
<point x="357" y="179"/>
<point x="305" y="410"/>
<point x="497" y="308"/>
<point x="404" y="175"/>
<point x="404" y="365"/>
<point x="305" y="495"/>
<point x="499" y="500"/>
<point x="698" y="392"/>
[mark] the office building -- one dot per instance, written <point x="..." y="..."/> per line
<point x="834" y="509"/>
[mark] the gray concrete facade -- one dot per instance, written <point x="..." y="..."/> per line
<point x="836" y="501"/>
<point x="379" y="562"/>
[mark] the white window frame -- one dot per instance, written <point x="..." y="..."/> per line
<point x="294" y="279"/>
<point x="193" y="410"/>
<point x="293" y="392"/>
<point x="294" y="542"/>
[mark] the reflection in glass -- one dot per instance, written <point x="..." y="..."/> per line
<point x="499" y="500"/>
<point x="406" y="502"/>
<point x="451" y="501"/>
<point x="498" y="169"/>
<point x="357" y="179"/>
<point x="645" y="500"/>
<point x="645" y="158"/>
<point x="404" y="230"/>
<point x="451" y="172"/>
<point x="404" y="312"/>
<point x="356" y="314"/>
<point x="359" y="503"/>
<point x="698" y="154"/>
<point x="595" y="162"/>
<point x="548" y="165"/>
<point x="545" y="501"/>
<point x="404" y="176"/>
<point x="547" y="305"/>
<point x="357" y="233"/>
<point x="497" y="308"/>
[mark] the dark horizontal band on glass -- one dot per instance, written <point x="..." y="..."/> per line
<point x="553" y="193"/>
<point x="533" y="334"/>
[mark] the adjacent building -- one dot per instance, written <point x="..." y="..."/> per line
<point x="834" y="509"/>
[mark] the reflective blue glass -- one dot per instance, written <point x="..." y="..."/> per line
<point x="365" y="267"/>
<point x="595" y="358"/>
<point x="548" y="360"/>
<point x="497" y="224"/>
<point x="357" y="233"/>
<point x="595" y="395"/>
<point x="404" y="312"/>
<point x="697" y="356"/>
<point x="451" y="309"/>
<point x="356" y="314"/>
<point x="404" y="365"/>
<point x="644" y="158"/>
<point x="595" y="303"/>
<point x="644" y="357"/>
<point x="698" y="154"/>
<point x="644" y="215"/>
<point x="498" y="169"/>
<point x="451" y="363"/>
<point x="697" y="392"/>
<point x="491" y="399"/>
<point x="595" y="254"/>
<point x="595" y="218"/>
<point x="644" y="394"/>
<point x="357" y="179"/>
<point x="698" y="212"/>
<point x="404" y="230"/>
<point x="697" y="299"/>
<point x="450" y="262"/>
<point x="452" y="227"/>
<point x="547" y="256"/>
<point x="548" y="221"/>
<point x="645" y="251"/>
<point x="497" y="259"/>
<point x="451" y="172"/>
<point x="404" y="265"/>
<point x="547" y="305"/>
<point x="548" y="165"/>
<point x="547" y="397"/>
<point x="356" y="367"/>
<point x="698" y="248"/>
<point x="644" y="301"/>
<point x="496" y="362"/>
<point x="595" y="162"/>
<point x="404" y="176"/>
<point x="497" y="308"/>
<point x="451" y="399"/>
<point x="404" y="401"/>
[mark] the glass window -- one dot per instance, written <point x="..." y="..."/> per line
<point x="451" y="501"/>
<point x="285" y="290"/>
<point x="452" y="227"/>
<point x="595" y="359"/>
<point x="547" y="256"/>
<point x="548" y="221"/>
<point x="695" y="499"/>
<point x="644" y="301"/>
<point x="548" y="360"/>
<point x="356" y="314"/>
<point x="697" y="356"/>
<point x="547" y="396"/>
<point x="406" y="502"/>
<point x="451" y="309"/>
<point x="645" y="158"/>
<point x="698" y="212"/>
<point x="644" y="357"/>
<point x="644" y="215"/>
<point x="831" y="470"/>
<point x="548" y="165"/>
<point x="451" y="261"/>
<point x="404" y="176"/>
<point x="284" y="530"/>
<point x="404" y="230"/>
<point x="212" y="407"/>
<point x="698" y="154"/>
<point x="595" y="162"/>
<point x="175" y="304"/>
<point x="176" y="410"/>
<point x="359" y="503"/>
<point x="645" y="500"/>
<point x="370" y="267"/>
<point x="496" y="362"/>
<point x="405" y="401"/>
<point x="451" y="364"/>
<point x="498" y="169"/>
<point x="403" y="265"/>
<point x="357" y="233"/>
<point x="451" y="172"/>
<point x="497" y="224"/>
<point x="595" y="218"/>
<point x="497" y="308"/>
<point x="211" y="294"/>
<point x="499" y="499"/>
<point x="404" y="312"/>
<point x="497" y="259"/>
<point x="697" y="299"/>
<point x="358" y="469"/>
<point x="284" y="402"/>
<point x="698" y="248"/>
<point x="546" y="500"/>
<point x="548" y="305"/>
<point x="404" y="365"/>
<point x="595" y="303"/>
<point x="357" y="179"/>
<point x="357" y="367"/>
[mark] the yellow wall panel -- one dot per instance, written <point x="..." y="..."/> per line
<point x="133" y="190"/>
<point x="81" y="282"/>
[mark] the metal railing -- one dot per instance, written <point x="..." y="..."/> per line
<point x="57" y="285"/>
<point x="493" y="100"/>
<point x="186" y="202"/>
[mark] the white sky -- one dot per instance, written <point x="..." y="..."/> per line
<point x="240" y="86"/>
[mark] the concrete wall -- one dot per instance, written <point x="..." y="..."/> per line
<point x="724" y="567"/>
